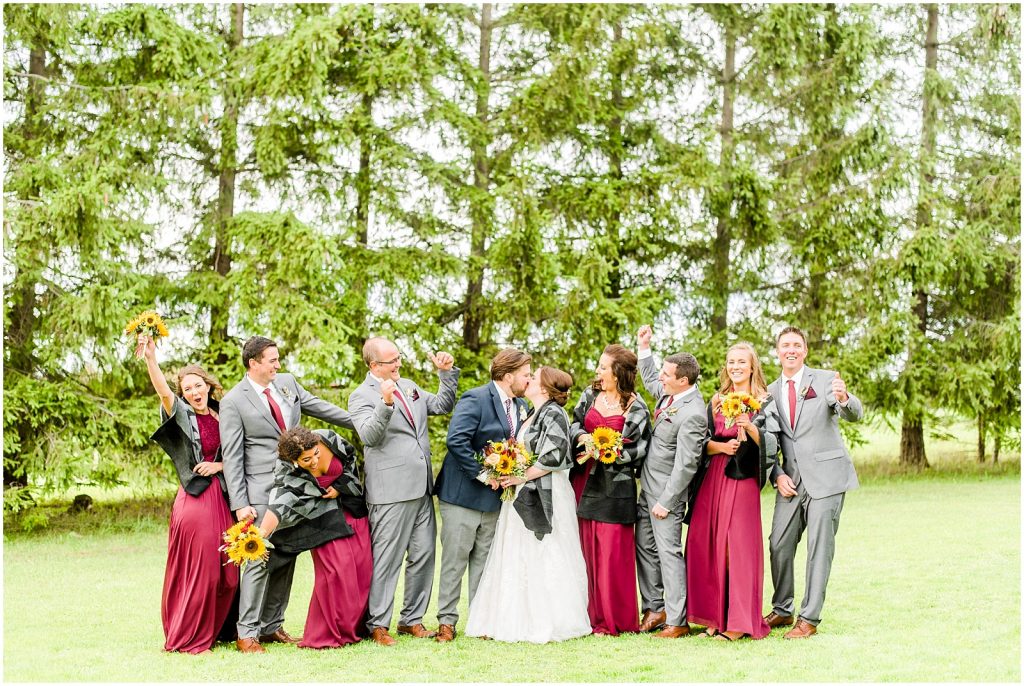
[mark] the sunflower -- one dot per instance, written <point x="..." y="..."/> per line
<point x="607" y="455"/>
<point x="604" y="437"/>
<point x="131" y="326"/>
<point x="754" y="404"/>
<point x="506" y="464"/>
<point x="235" y="530"/>
<point x="149" y="318"/>
<point x="250" y="548"/>
<point x="731" y="407"/>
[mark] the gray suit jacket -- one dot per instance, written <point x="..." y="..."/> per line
<point x="814" y="452"/>
<point x="249" y="434"/>
<point x="397" y="455"/>
<point x="676" y="444"/>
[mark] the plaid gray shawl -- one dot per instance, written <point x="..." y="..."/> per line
<point x="547" y="437"/>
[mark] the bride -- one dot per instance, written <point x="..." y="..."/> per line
<point x="534" y="587"/>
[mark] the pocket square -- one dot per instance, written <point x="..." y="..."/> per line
<point x="808" y="393"/>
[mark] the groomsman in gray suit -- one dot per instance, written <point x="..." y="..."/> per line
<point x="253" y="415"/>
<point x="390" y="414"/>
<point x="680" y="425"/>
<point x="815" y="474"/>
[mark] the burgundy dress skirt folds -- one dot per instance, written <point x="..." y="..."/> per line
<point x="724" y="548"/>
<point x="342" y="571"/>
<point x="198" y="587"/>
<point x="610" y="553"/>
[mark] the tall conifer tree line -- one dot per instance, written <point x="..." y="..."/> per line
<point x="467" y="177"/>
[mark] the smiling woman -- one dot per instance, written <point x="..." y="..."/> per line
<point x="198" y="589"/>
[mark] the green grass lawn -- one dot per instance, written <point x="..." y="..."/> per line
<point x="925" y="587"/>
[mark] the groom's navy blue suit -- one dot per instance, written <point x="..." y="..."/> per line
<point x="478" y="418"/>
<point x="469" y="508"/>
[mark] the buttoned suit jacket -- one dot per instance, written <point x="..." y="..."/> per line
<point x="249" y="435"/>
<point x="676" y="444"/>
<point x="813" y="452"/>
<point x="396" y="450"/>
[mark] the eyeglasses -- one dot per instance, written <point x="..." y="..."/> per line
<point x="388" y="363"/>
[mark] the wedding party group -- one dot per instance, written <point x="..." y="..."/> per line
<point x="567" y="524"/>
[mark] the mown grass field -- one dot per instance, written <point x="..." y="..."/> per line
<point x="925" y="587"/>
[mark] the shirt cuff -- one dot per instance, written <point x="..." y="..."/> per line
<point x="482" y="476"/>
<point x="644" y="354"/>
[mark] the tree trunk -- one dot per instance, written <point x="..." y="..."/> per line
<point x="358" y="311"/>
<point x="221" y="260"/>
<point x="981" y="437"/>
<point x="480" y="214"/>
<point x="20" y="338"/>
<point x="615" y="138"/>
<point x="912" y="444"/>
<point x="998" y="445"/>
<point x="723" y="229"/>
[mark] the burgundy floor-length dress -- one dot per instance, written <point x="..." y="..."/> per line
<point x="724" y="549"/>
<point x="341" y="585"/>
<point x="610" y="553"/>
<point x="198" y="587"/>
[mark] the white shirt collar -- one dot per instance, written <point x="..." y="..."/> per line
<point x="796" y="378"/>
<point x="257" y="386"/>
<point x="682" y="394"/>
<point x="501" y="394"/>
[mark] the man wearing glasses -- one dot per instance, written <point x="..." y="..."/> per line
<point x="390" y="415"/>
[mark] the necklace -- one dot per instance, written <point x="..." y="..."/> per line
<point x="607" y="404"/>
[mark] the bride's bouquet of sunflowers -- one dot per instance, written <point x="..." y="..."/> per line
<point x="243" y="543"/>
<point x="505" y="458"/>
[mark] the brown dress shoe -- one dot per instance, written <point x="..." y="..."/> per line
<point x="775" y="620"/>
<point x="445" y="633"/>
<point x="249" y="645"/>
<point x="803" y="629"/>
<point x="652" y="621"/>
<point x="381" y="637"/>
<point x="279" y="636"/>
<point x="671" y="631"/>
<point x="417" y="631"/>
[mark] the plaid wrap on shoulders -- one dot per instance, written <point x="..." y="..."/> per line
<point x="547" y="438"/>
<point x="611" y="492"/>
<point x="307" y="519"/>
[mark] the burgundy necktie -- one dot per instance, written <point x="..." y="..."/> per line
<point x="792" y="404"/>
<point x="508" y="416"/>
<point x="661" y="407"/>
<point x="274" y="409"/>
<point x="408" y="412"/>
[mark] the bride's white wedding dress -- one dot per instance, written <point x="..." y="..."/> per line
<point x="534" y="590"/>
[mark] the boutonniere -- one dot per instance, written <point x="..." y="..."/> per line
<point x="672" y="410"/>
<point x="806" y="393"/>
<point x="285" y="393"/>
<point x="413" y="394"/>
<point x="522" y="414"/>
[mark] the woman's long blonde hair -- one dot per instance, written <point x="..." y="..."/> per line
<point x="758" y="386"/>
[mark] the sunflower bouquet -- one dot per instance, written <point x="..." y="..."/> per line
<point x="148" y="323"/>
<point x="506" y="458"/>
<point x="243" y="543"/>
<point x="735" y="404"/>
<point x="603" y="445"/>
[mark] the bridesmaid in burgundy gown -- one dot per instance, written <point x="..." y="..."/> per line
<point x="318" y="498"/>
<point x="198" y="588"/>
<point x="724" y="550"/>
<point x="606" y="493"/>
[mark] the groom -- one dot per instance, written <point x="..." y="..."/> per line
<point x="468" y="503"/>
<point x="678" y="437"/>
<point x="812" y="482"/>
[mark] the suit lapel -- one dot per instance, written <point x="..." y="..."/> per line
<point x="499" y="410"/>
<point x="261" y="407"/>
<point x="406" y="408"/>
<point x="776" y="390"/>
<point x="288" y="407"/>
<point x="808" y="381"/>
